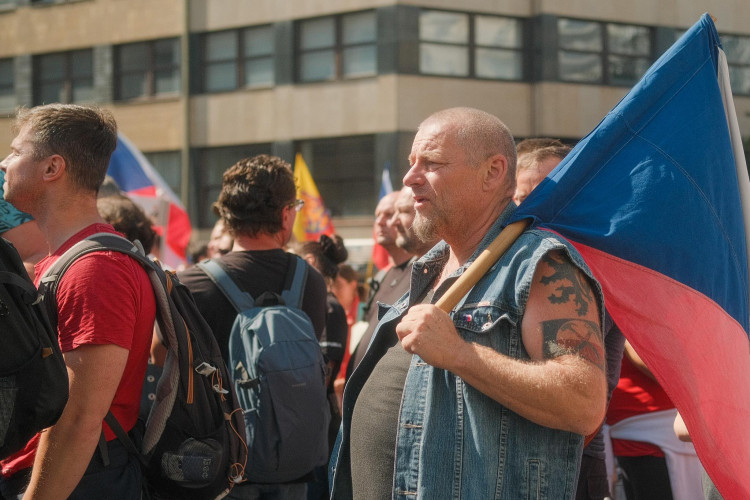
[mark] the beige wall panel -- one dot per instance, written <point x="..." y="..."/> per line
<point x="564" y="110"/>
<point x="207" y="15"/>
<point x="83" y="24"/>
<point x="295" y="112"/>
<point x="506" y="7"/>
<point x="152" y="126"/>
<point x="731" y="15"/>
<point x="418" y="97"/>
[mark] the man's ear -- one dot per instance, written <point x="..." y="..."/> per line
<point x="495" y="172"/>
<point x="55" y="168"/>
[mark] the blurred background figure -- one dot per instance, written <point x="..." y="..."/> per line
<point x="220" y="242"/>
<point x="534" y="165"/>
<point x="325" y="255"/>
<point x="127" y="218"/>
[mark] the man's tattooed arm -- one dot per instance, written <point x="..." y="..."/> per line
<point x="573" y="336"/>
<point x="568" y="290"/>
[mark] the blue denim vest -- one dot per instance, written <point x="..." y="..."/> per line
<point x="453" y="441"/>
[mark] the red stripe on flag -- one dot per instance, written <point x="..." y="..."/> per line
<point x="698" y="353"/>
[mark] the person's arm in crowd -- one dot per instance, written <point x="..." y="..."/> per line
<point x="66" y="449"/>
<point x="563" y="386"/>
<point x="637" y="361"/>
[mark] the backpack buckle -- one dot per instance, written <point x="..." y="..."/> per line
<point x="205" y="369"/>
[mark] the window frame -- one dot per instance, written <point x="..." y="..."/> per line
<point x="338" y="48"/>
<point x="605" y="53"/>
<point x="737" y="65"/>
<point x="68" y="79"/>
<point x="472" y="45"/>
<point x="150" y="69"/>
<point x="239" y="60"/>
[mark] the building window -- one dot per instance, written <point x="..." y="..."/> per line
<point x="345" y="190"/>
<point x="614" y="54"/>
<point x="167" y="164"/>
<point x="147" y="69"/>
<point x="331" y="48"/>
<point x="238" y="59"/>
<point x="64" y="77"/>
<point x="7" y="90"/>
<point x="212" y="164"/>
<point x="470" y="45"/>
<point x="737" y="50"/>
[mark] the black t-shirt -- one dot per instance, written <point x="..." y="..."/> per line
<point x="333" y="340"/>
<point x="255" y="272"/>
<point x="375" y="418"/>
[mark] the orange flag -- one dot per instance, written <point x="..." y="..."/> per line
<point x="313" y="220"/>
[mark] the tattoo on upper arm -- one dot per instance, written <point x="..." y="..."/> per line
<point x="573" y="336"/>
<point x="569" y="284"/>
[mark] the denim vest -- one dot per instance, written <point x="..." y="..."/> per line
<point x="453" y="441"/>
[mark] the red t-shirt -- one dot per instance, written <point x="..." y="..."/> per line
<point x="635" y="394"/>
<point x="103" y="298"/>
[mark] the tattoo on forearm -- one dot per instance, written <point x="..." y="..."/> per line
<point x="568" y="285"/>
<point x="573" y="336"/>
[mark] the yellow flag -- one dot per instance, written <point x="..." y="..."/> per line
<point x="313" y="220"/>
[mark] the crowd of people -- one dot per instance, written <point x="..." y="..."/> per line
<point x="502" y="397"/>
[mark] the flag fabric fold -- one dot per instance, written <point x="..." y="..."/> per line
<point x="313" y="219"/>
<point x="652" y="200"/>
<point x="140" y="181"/>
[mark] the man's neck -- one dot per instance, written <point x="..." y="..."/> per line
<point x="398" y="255"/>
<point x="59" y="221"/>
<point x="262" y="241"/>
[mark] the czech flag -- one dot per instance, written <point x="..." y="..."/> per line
<point x="313" y="220"/>
<point x="653" y="199"/>
<point x="138" y="179"/>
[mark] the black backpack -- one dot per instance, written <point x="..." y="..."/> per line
<point x="33" y="376"/>
<point x="193" y="442"/>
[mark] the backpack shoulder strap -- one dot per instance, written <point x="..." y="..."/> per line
<point x="239" y="299"/>
<point x="295" y="282"/>
<point x="97" y="242"/>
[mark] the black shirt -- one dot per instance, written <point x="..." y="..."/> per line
<point x="255" y="272"/>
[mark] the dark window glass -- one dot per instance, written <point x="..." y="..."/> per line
<point x="238" y="59"/>
<point x="337" y="47"/>
<point x="167" y="163"/>
<point x="64" y="77"/>
<point x="147" y="69"/>
<point x="737" y="50"/>
<point x="342" y="169"/>
<point x="609" y="53"/>
<point x="7" y="79"/>
<point x="471" y="45"/>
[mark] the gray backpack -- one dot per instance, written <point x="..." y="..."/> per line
<point x="279" y="375"/>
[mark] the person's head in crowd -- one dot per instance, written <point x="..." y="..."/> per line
<point x="76" y="141"/>
<point x="258" y="199"/>
<point x="346" y="286"/>
<point x="462" y="173"/>
<point x="127" y="218"/>
<point x="109" y="188"/>
<point x="534" y="166"/>
<point x="533" y="143"/>
<point x="384" y="232"/>
<point x="325" y="255"/>
<point x="197" y="252"/>
<point x="220" y="242"/>
<point x="403" y="222"/>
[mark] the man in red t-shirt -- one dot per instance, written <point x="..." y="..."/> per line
<point x="105" y="307"/>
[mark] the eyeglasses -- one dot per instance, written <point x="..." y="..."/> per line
<point x="297" y="204"/>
